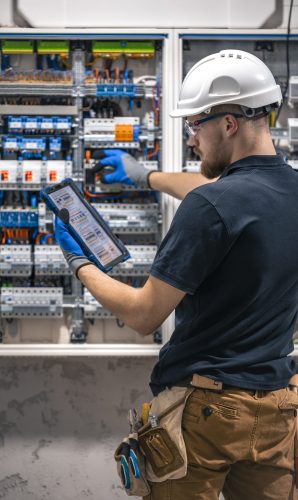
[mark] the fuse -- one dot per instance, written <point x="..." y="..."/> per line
<point x="15" y="124"/>
<point x="10" y="144"/>
<point x="31" y="123"/>
<point x="63" y="124"/>
<point x="47" y="124"/>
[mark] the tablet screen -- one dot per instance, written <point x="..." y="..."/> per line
<point x="88" y="228"/>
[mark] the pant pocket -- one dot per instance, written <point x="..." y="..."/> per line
<point x="289" y="404"/>
<point x="199" y="408"/>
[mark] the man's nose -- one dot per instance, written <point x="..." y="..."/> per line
<point x="191" y="141"/>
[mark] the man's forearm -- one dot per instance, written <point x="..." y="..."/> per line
<point x="121" y="299"/>
<point x="177" y="184"/>
<point x="143" y="309"/>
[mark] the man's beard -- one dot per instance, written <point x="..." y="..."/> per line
<point x="214" y="169"/>
<point x="214" y="163"/>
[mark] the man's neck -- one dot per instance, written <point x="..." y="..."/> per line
<point x="257" y="146"/>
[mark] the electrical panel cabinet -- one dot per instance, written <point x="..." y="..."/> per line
<point x="63" y="99"/>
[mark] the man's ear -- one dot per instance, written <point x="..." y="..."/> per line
<point x="231" y="125"/>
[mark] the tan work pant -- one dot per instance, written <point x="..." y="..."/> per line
<point x="238" y="442"/>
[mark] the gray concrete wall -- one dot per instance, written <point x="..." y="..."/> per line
<point x="60" y="421"/>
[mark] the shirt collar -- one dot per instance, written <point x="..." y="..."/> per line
<point x="261" y="161"/>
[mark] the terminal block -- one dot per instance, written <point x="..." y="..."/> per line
<point x="49" y="260"/>
<point x="15" y="260"/>
<point x="18" y="218"/>
<point x="120" y="90"/>
<point x="139" y="264"/>
<point x="130" y="218"/>
<point x="21" y="302"/>
<point x="93" y="309"/>
<point x="119" y="132"/>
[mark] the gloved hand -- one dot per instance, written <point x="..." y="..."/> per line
<point x="127" y="169"/>
<point x="72" y="251"/>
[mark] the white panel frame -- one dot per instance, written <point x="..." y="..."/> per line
<point x="165" y="13"/>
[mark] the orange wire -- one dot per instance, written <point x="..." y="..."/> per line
<point x="37" y="239"/>
<point x="154" y="152"/>
<point x="4" y="237"/>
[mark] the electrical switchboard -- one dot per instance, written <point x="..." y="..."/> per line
<point x="62" y="102"/>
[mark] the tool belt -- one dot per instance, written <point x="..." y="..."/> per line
<point x="155" y="451"/>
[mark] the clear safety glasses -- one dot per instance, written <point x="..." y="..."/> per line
<point x="192" y="128"/>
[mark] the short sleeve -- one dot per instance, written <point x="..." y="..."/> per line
<point x="194" y="246"/>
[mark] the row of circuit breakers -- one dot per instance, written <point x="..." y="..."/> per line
<point x="61" y="104"/>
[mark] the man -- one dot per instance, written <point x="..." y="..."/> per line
<point x="229" y="268"/>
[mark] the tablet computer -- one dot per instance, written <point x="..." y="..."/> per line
<point x="85" y="224"/>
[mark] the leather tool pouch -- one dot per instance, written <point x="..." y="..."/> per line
<point x="163" y="445"/>
<point x="161" y="452"/>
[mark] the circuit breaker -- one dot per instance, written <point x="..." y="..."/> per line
<point x="62" y="102"/>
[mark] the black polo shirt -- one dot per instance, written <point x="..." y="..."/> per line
<point x="233" y="248"/>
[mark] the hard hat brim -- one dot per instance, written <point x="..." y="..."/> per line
<point x="180" y="113"/>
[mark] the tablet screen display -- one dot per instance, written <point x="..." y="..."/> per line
<point x="88" y="228"/>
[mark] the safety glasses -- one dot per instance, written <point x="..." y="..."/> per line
<point x="192" y="128"/>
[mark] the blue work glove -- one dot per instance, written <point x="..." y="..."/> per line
<point x="127" y="169"/>
<point x="72" y="251"/>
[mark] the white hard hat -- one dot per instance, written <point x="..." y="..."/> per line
<point x="227" y="77"/>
